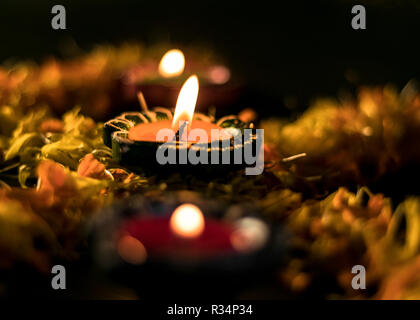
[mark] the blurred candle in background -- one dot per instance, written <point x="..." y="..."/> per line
<point x="172" y="64"/>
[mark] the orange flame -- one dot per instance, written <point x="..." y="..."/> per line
<point x="187" y="221"/>
<point x="172" y="64"/>
<point x="186" y="102"/>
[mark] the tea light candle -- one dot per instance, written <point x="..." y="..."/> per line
<point x="170" y="247"/>
<point x="186" y="233"/>
<point x="184" y="111"/>
<point x="137" y="137"/>
<point x="162" y="81"/>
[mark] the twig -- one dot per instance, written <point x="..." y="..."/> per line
<point x="142" y="101"/>
<point x="296" y="156"/>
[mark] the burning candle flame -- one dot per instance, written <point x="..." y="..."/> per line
<point x="187" y="221"/>
<point x="172" y="64"/>
<point x="186" y="102"/>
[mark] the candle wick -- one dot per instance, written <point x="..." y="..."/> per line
<point x="142" y="101"/>
<point x="180" y="131"/>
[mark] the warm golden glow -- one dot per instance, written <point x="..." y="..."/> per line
<point x="219" y="74"/>
<point x="187" y="221"/>
<point x="172" y="64"/>
<point x="186" y="102"/>
<point x="131" y="250"/>
<point x="250" y="234"/>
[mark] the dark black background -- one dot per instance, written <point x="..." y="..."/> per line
<point x="285" y="50"/>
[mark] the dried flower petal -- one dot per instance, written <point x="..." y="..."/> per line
<point x="90" y="167"/>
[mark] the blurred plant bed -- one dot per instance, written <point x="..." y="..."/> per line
<point x="371" y="140"/>
<point x="56" y="173"/>
<point x="101" y="81"/>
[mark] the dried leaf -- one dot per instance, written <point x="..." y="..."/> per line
<point x="21" y="143"/>
<point x="52" y="125"/>
<point x="90" y="167"/>
<point x="67" y="151"/>
<point x="54" y="181"/>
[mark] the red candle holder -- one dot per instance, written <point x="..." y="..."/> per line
<point x="134" y="243"/>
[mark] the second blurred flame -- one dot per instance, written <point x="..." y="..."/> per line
<point x="187" y="221"/>
<point x="172" y="64"/>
